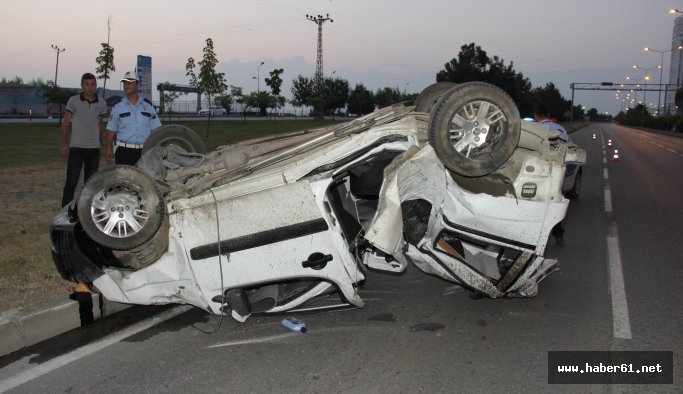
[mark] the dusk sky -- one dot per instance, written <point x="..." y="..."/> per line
<point x="377" y="43"/>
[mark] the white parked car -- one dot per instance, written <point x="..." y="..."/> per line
<point x="456" y="185"/>
<point x="213" y="111"/>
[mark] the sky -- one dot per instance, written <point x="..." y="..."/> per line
<point x="396" y="43"/>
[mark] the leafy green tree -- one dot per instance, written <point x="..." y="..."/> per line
<point x="262" y="101"/>
<point x="225" y="101"/>
<point x="336" y="94"/>
<point x="303" y="90"/>
<point x="168" y="97"/>
<point x="387" y="96"/>
<point x="361" y="100"/>
<point x="275" y="81"/>
<point x="105" y="65"/>
<point x="208" y="81"/>
<point x="593" y="114"/>
<point x="473" y="64"/>
<point x="17" y="82"/>
<point x="551" y="97"/>
<point x="56" y="95"/>
<point x="241" y="100"/>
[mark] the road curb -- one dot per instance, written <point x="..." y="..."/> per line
<point x="25" y="328"/>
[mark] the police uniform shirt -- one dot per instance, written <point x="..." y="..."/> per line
<point x="133" y="123"/>
<point x="85" y="130"/>
<point x="556" y="127"/>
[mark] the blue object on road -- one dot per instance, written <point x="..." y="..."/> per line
<point x="294" y="325"/>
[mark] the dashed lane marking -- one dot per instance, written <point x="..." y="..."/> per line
<point x="620" y="318"/>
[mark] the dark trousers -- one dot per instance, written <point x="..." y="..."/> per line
<point x="128" y="156"/>
<point x="86" y="158"/>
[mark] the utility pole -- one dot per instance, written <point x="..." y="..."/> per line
<point x="319" y="20"/>
<point x="58" y="50"/>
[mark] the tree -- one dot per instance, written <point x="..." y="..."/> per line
<point x="105" y="61"/>
<point x="17" y="82"/>
<point x="593" y="114"/>
<point x="240" y="99"/>
<point x="53" y="94"/>
<point x="473" y="64"/>
<point x="275" y="81"/>
<point x="105" y="65"/>
<point x="262" y="101"/>
<point x="168" y="97"/>
<point x="225" y="101"/>
<point x="551" y="97"/>
<point x="303" y="89"/>
<point x="387" y="96"/>
<point x="336" y="94"/>
<point x="361" y="100"/>
<point x="208" y="81"/>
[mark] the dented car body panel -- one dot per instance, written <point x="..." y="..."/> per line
<point x="281" y="223"/>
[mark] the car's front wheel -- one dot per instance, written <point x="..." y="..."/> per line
<point x="121" y="207"/>
<point x="474" y="128"/>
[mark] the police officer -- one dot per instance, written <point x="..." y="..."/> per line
<point x="132" y="121"/>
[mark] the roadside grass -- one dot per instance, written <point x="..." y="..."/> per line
<point x="32" y="177"/>
<point x="38" y="143"/>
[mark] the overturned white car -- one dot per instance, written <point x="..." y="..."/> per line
<point x="457" y="185"/>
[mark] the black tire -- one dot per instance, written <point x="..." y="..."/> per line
<point x="575" y="191"/>
<point x="175" y="134"/>
<point x="431" y="95"/>
<point x="484" y="134"/>
<point x="121" y="207"/>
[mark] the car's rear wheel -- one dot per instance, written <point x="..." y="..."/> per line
<point x="474" y="128"/>
<point x="121" y="207"/>
<point x="175" y="134"/>
<point x="431" y="95"/>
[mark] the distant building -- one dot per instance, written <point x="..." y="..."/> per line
<point x="21" y="100"/>
<point x="676" y="65"/>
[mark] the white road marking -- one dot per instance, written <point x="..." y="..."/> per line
<point x="254" y="340"/>
<point x="652" y="142"/>
<point x="660" y="145"/>
<point x="608" y="200"/>
<point x="77" y="354"/>
<point x="604" y="160"/>
<point x="605" y="174"/>
<point x="620" y="318"/>
<point x="671" y="150"/>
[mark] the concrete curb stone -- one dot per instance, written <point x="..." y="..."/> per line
<point x="25" y="328"/>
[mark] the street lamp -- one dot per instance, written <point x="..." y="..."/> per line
<point x="675" y="11"/>
<point x="58" y="50"/>
<point x="637" y="88"/>
<point x="258" y="78"/>
<point x="661" y="67"/>
<point x="646" y="78"/>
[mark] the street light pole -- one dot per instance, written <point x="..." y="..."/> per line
<point x="645" y="78"/>
<point x="58" y="50"/>
<point x="258" y="78"/>
<point x="661" y="71"/>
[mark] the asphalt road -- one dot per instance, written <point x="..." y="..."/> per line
<point x="418" y="333"/>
